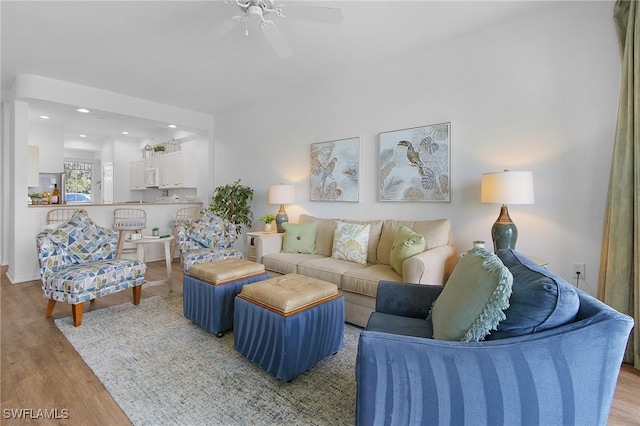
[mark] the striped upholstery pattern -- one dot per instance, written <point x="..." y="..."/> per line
<point x="565" y="375"/>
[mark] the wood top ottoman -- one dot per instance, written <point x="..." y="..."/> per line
<point x="209" y="291"/>
<point x="287" y="324"/>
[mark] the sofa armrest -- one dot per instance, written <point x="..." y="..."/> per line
<point x="430" y="267"/>
<point x="406" y="299"/>
<point x="267" y="244"/>
<point x="547" y="377"/>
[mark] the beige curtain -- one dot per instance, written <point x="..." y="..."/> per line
<point x="619" y="284"/>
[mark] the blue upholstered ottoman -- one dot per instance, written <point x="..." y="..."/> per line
<point x="287" y="324"/>
<point x="209" y="291"/>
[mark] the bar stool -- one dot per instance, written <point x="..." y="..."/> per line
<point x="183" y="217"/>
<point x="128" y="220"/>
<point x="62" y="215"/>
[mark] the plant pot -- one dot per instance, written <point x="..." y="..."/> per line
<point x="155" y="233"/>
<point x="269" y="227"/>
<point x="478" y="244"/>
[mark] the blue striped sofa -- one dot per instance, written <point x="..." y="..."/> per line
<point x="530" y="370"/>
<point x="78" y="264"/>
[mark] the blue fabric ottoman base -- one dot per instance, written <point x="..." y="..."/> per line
<point x="211" y="306"/>
<point x="288" y="346"/>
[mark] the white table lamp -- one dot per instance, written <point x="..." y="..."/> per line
<point x="508" y="187"/>
<point x="282" y="194"/>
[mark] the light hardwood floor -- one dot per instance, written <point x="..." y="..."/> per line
<point x="40" y="370"/>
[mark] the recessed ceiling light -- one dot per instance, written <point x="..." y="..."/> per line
<point x="83" y="110"/>
<point x="125" y="133"/>
<point x="172" y="126"/>
<point x="45" y="117"/>
<point x="83" y="136"/>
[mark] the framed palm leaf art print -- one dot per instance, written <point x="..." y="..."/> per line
<point x="335" y="170"/>
<point x="415" y="164"/>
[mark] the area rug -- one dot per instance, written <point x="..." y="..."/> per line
<point x="162" y="369"/>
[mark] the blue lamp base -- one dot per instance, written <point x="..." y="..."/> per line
<point x="504" y="232"/>
<point x="281" y="218"/>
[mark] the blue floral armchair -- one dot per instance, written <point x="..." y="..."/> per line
<point x="207" y="238"/>
<point x="78" y="264"/>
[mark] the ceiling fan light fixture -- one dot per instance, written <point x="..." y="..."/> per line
<point x="258" y="9"/>
<point x="254" y="12"/>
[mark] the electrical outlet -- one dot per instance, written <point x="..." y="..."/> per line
<point x="578" y="267"/>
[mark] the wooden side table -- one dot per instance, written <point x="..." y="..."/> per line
<point x="140" y="247"/>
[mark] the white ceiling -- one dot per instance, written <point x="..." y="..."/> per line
<point x="163" y="52"/>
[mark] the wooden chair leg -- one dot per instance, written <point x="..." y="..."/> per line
<point x="77" y="314"/>
<point x="137" y="292"/>
<point x="50" y="306"/>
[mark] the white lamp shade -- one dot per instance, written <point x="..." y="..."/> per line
<point x="282" y="194"/>
<point x="507" y="187"/>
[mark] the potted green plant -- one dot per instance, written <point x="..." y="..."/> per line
<point x="231" y="202"/>
<point x="155" y="231"/>
<point x="268" y="219"/>
<point x="158" y="148"/>
<point x="36" y="197"/>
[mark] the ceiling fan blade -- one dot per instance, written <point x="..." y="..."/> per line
<point x="225" y="27"/>
<point x="326" y="15"/>
<point x="276" y="39"/>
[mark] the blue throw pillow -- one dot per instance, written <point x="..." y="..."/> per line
<point x="539" y="300"/>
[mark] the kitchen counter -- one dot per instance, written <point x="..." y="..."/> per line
<point x="120" y="203"/>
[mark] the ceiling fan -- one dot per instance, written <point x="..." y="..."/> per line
<point x="258" y="9"/>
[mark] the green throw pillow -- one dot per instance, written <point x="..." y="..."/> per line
<point x="472" y="302"/>
<point x="406" y="244"/>
<point x="351" y="242"/>
<point x="299" y="237"/>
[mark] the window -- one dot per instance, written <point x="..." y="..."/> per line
<point x="77" y="180"/>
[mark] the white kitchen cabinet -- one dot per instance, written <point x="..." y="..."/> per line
<point x="177" y="169"/>
<point x="136" y="175"/>
<point x="174" y="169"/>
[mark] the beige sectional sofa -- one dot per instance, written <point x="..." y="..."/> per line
<point x="359" y="282"/>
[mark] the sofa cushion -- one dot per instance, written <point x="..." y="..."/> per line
<point x="82" y="240"/>
<point x="299" y="237"/>
<point x="324" y="233"/>
<point x="473" y="299"/>
<point x="351" y="242"/>
<point x="395" y="324"/>
<point x="365" y="280"/>
<point x="406" y="244"/>
<point x="435" y="232"/>
<point x="540" y="299"/>
<point x="286" y="263"/>
<point x="327" y="269"/>
<point x="211" y="230"/>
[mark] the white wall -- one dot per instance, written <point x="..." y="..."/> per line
<point x="535" y="93"/>
<point x="50" y="140"/>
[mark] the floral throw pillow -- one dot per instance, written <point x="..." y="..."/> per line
<point x="351" y="242"/>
